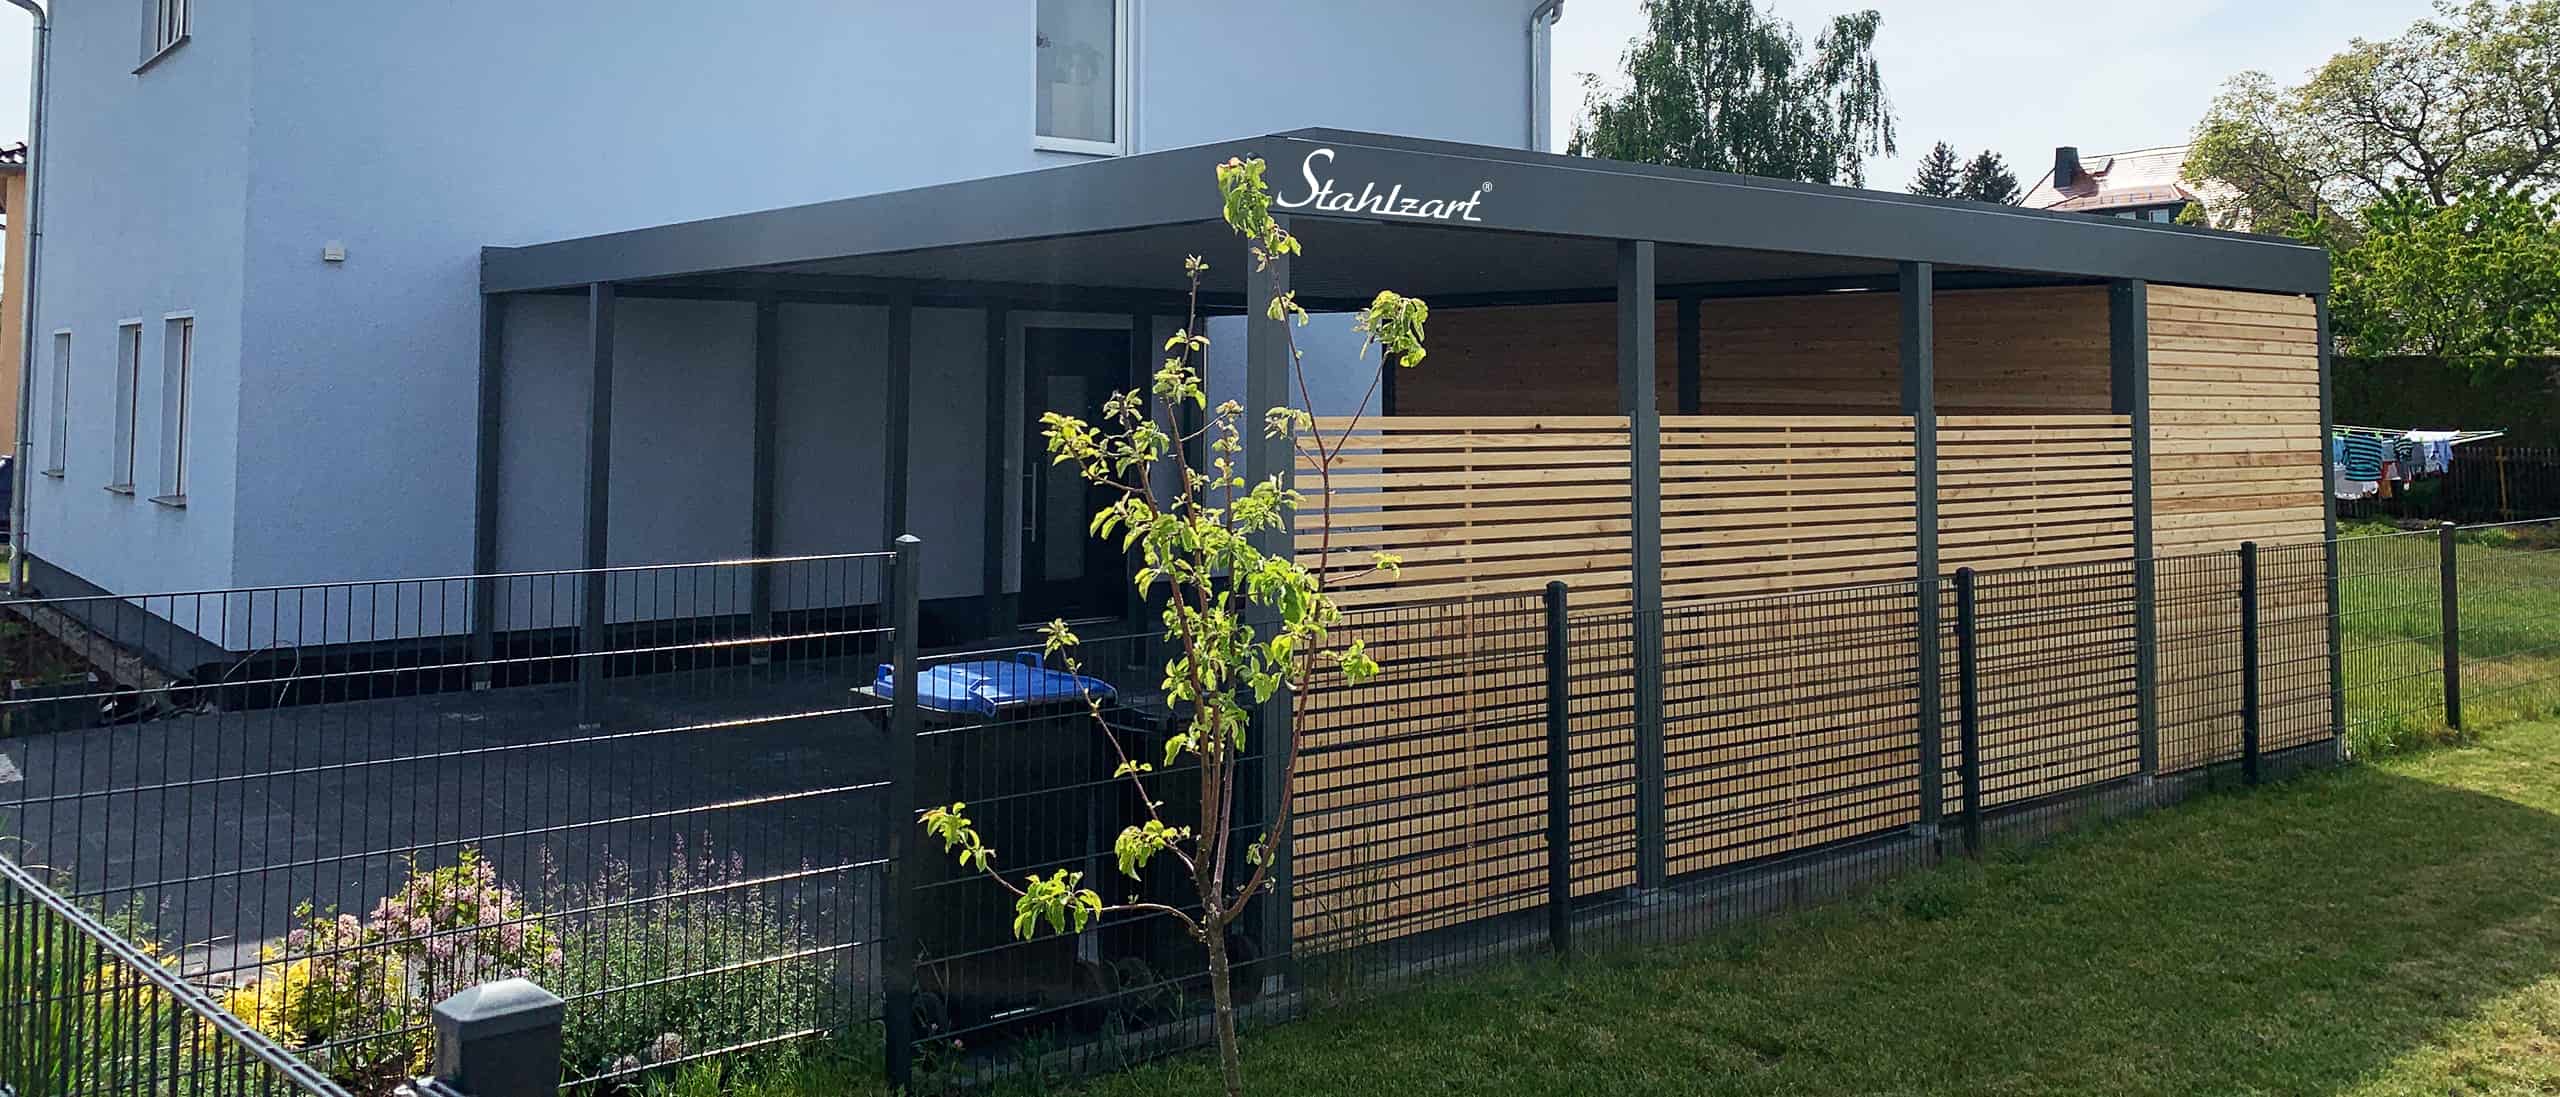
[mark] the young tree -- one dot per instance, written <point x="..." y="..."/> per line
<point x="1724" y="86"/>
<point x="2468" y="99"/>
<point x="1987" y="178"/>
<point x="1243" y="626"/>
<point x="1937" y="175"/>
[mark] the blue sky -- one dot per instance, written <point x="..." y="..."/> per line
<point x="2012" y="75"/>
<point x="2021" y="77"/>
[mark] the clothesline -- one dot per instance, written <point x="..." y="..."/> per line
<point x="2457" y="438"/>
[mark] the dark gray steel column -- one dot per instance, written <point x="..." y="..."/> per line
<point x="1692" y="355"/>
<point x="1636" y="378"/>
<point x="599" y="484"/>
<point x="768" y="396"/>
<point x="2129" y="383"/>
<point x="902" y="372"/>
<point x="2329" y="538"/>
<point x="1267" y="371"/>
<point x="999" y="532"/>
<point x="1917" y="288"/>
<point x="484" y="492"/>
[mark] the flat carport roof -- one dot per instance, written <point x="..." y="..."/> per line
<point x="1466" y="224"/>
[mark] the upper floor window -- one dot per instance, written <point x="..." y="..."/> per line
<point x="1082" y="80"/>
<point x="166" y="31"/>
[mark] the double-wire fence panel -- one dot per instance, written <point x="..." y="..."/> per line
<point x="650" y="789"/>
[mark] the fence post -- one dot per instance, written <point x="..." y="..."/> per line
<point x="2249" y="662"/>
<point x="1969" y="710"/>
<point x="1559" y="776"/>
<point x="499" y="1039"/>
<point x="897" y="968"/>
<point x="2452" y="599"/>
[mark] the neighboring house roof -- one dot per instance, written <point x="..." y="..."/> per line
<point x="2119" y="180"/>
<point x="13" y="157"/>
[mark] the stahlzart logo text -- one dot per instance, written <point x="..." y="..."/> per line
<point x="1325" y="197"/>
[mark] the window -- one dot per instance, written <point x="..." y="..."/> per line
<point x="128" y="392"/>
<point x="177" y="366"/>
<point x="167" y="30"/>
<point x="58" y="418"/>
<point x="1082" y="80"/>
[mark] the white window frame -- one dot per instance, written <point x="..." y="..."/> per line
<point x="1123" y="31"/>
<point x="177" y="369"/>
<point x="167" y="25"/>
<point x="57" y="443"/>
<point x="128" y="407"/>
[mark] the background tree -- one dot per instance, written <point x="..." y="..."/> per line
<point x="1938" y="170"/>
<point x="1241" y="625"/>
<point x="2465" y="100"/>
<point x="1987" y="178"/>
<point x="2475" y="281"/>
<point x="1724" y="86"/>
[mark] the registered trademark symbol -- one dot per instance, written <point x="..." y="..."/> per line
<point x="1488" y="186"/>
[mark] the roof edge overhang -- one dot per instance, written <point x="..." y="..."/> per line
<point x="1381" y="179"/>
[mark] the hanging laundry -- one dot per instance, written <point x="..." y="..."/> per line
<point x="2362" y="456"/>
<point x="2435" y="449"/>
<point x="2344" y="488"/>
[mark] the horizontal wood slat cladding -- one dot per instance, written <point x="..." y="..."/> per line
<point x="2034" y="491"/>
<point x="1422" y="794"/>
<point x="2237" y="455"/>
<point x="1472" y="505"/>
<point x="1523" y="359"/>
<point x="1998" y="351"/>
<point x="1758" y="504"/>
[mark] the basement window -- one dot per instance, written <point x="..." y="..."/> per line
<point x="1081" y="76"/>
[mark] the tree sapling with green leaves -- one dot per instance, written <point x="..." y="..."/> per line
<point x="1243" y="625"/>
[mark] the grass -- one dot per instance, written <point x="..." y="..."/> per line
<point x="2393" y="629"/>
<point x="2382" y="930"/>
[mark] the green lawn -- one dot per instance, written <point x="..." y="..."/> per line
<point x="2386" y="929"/>
<point x="2393" y="626"/>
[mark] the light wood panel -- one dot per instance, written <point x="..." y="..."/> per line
<point x="2237" y="455"/>
<point x="1472" y="506"/>
<point x="1759" y="504"/>
<point x="1999" y="351"/>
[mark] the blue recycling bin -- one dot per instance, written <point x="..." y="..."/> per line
<point x="1016" y="740"/>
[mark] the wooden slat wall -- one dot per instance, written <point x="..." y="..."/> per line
<point x="1558" y="359"/>
<point x="2237" y="455"/>
<point x="1473" y="505"/>
<point x="2056" y="671"/>
<point x="1759" y="504"/>
<point x="1998" y="351"/>
<point x="1791" y="720"/>
<point x="1423" y="794"/>
<point x="2041" y="350"/>
<point x="2034" y="490"/>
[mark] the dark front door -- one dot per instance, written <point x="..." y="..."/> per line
<point x="1066" y="571"/>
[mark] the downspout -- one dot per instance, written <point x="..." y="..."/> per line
<point x="1542" y="20"/>
<point x="27" y="309"/>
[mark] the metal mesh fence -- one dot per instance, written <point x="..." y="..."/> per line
<point x="331" y="806"/>
<point x="682" y="818"/>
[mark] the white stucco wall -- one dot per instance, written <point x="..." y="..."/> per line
<point x="417" y="134"/>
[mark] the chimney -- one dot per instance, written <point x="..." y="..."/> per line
<point x="2066" y="167"/>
